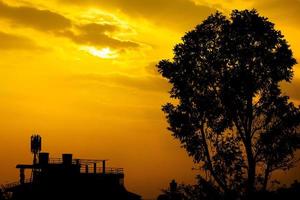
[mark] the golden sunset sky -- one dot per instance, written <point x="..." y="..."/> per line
<point x="81" y="73"/>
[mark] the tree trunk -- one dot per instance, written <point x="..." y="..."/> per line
<point x="248" y="141"/>
<point x="251" y="172"/>
<point x="266" y="178"/>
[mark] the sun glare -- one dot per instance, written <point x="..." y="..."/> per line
<point x="105" y="53"/>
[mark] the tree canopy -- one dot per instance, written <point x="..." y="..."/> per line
<point x="231" y="115"/>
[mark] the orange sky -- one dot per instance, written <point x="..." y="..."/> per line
<point x="82" y="74"/>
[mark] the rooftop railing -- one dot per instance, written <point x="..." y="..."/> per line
<point x="7" y="186"/>
<point x="90" y="166"/>
<point x="75" y="161"/>
<point x="99" y="170"/>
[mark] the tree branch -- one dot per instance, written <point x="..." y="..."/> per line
<point x="209" y="162"/>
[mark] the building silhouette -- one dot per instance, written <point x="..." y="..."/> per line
<point x="68" y="178"/>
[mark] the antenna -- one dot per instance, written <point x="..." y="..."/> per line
<point x="36" y="146"/>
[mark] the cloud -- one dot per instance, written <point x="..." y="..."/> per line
<point x="144" y="83"/>
<point x="44" y="20"/>
<point x="152" y="69"/>
<point x="97" y="35"/>
<point x="9" y="42"/>
<point x="292" y="89"/>
<point x="95" y="28"/>
<point x="286" y="11"/>
<point x="176" y="13"/>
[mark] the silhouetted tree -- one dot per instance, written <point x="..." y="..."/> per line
<point x="174" y="192"/>
<point x="229" y="113"/>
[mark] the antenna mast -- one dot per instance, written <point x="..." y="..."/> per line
<point x="36" y="146"/>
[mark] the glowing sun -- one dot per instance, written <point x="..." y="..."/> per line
<point x="105" y="53"/>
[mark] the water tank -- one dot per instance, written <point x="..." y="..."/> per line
<point x="43" y="158"/>
<point x="67" y="159"/>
